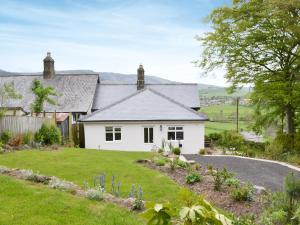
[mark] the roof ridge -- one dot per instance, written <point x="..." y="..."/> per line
<point x="177" y="103"/>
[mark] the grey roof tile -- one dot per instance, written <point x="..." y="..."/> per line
<point x="107" y="94"/>
<point x="76" y="91"/>
<point x="145" y="105"/>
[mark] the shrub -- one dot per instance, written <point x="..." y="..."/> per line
<point x="16" y="141"/>
<point x="28" y="138"/>
<point x="196" y="166"/>
<point x="158" y="214"/>
<point x="56" y="183"/>
<point x="232" y="182"/>
<point x="215" y="137"/>
<point x="1" y="148"/>
<point x="5" y="137"/>
<point x="192" y="178"/>
<point x="182" y="164"/>
<point x="160" y="161"/>
<point x="48" y="134"/>
<point x="96" y="194"/>
<point x="176" y="151"/>
<point x="220" y="177"/>
<point x="231" y="140"/>
<point x="243" y="192"/>
<point x="202" y="151"/>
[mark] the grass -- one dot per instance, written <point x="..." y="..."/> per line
<point x="213" y="127"/>
<point x="228" y="111"/>
<point x="79" y="165"/>
<point x="22" y="203"/>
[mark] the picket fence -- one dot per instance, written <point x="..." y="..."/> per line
<point x="22" y="124"/>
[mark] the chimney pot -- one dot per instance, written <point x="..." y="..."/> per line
<point x="140" y="77"/>
<point x="49" y="71"/>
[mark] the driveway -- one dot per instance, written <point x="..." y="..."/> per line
<point x="261" y="173"/>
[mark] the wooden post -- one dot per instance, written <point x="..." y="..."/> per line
<point x="237" y="113"/>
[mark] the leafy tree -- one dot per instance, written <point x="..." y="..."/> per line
<point x="258" y="41"/>
<point x="42" y="95"/>
<point x="7" y="91"/>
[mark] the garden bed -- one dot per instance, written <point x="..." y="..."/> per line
<point x="221" y="199"/>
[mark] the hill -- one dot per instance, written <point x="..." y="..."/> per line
<point x="205" y="90"/>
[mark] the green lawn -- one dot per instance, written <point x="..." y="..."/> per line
<point x="79" y="165"/>
<point x="22" y="203"/>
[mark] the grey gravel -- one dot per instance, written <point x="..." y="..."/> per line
<point x="266" y="174"/>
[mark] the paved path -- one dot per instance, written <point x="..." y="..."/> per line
<point x="267" y="174"/>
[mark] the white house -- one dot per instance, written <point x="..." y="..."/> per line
<point x="144" y="117"/>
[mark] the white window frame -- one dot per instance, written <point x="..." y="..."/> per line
<point x="177" y="128"/>
<point x="148" y="135"/>
<point x="113" y="132"/>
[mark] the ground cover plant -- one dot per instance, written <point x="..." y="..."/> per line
<point x="40" y="206"/>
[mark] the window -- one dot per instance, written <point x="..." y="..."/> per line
<point x="175" y="133"/>
<point x="113" y="133"/>
<point x="148" y="135"/>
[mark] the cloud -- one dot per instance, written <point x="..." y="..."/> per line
<point x="103" y="35"/>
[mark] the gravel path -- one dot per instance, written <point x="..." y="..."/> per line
<point x="267" y="174"/>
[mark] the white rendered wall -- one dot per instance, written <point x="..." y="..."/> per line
<point x="133" y="136"/>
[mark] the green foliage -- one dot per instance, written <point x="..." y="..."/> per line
<point x="231" y="140"/>
<point x="48" y="134"/>
<point x="243" y="192"/>
<point x="96" y="194"/>
<point x="42" y="95"/>
<point x="7" y="91"/>
<point x="5" y="137"/>
<point x="198" y="211"/>
<point x="160" y="161"/>
<point x="202" y="151"/>
<point x="232" y="182"/>
<point x="192" y="178"/>
<point x="258" y="43"/>
<point x="28" y="138"/>
<point x="220" y="176"/>
<point x="283" y="145"/>
<point x="176" y="151"/>
<point x="158" y="214"/>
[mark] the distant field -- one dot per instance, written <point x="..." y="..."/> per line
<point x="223" y="117"/>
<point x="216" y="91"/>
<point x="227" y="112"/>
<point x="218" y="127"/>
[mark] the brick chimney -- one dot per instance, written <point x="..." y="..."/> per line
<point x="140" y="78"/>
<point x="49" y="71"/>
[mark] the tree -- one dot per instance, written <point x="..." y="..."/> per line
<point x="42" y="95"/>
<point x="7" y="92"/>
<point x="258" y="41"/>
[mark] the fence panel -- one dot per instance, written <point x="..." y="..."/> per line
<point x="22" y="124"/>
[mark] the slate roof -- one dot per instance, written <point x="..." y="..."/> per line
<point x="76" y="90"/>
<point x="185" y="93"/>
<point x="145" y="105"/>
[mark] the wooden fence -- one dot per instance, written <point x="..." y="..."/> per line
<point x="22" y="124"/>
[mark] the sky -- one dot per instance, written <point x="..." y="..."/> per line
<point x="108" y="36"/>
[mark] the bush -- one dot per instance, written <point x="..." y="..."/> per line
<point x="215" y="137"/>
<point x="160" y="161"/>
<point x="220" y="177"/>
<point x="5" y="137"/>
<point x="48" y="134"/>
<point x="232" y="182"/>
<point x="192" y="178"/>
<point x="202" y="151"/>
<point x="28" y="138"/>
<point x="231" y="140"/>
<point x="176" y="151"/>
<point x="243" y="193"/>
<point x="182" y="164"/>
<point x="95" y="194"/>
<point x="1" y="148"/>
